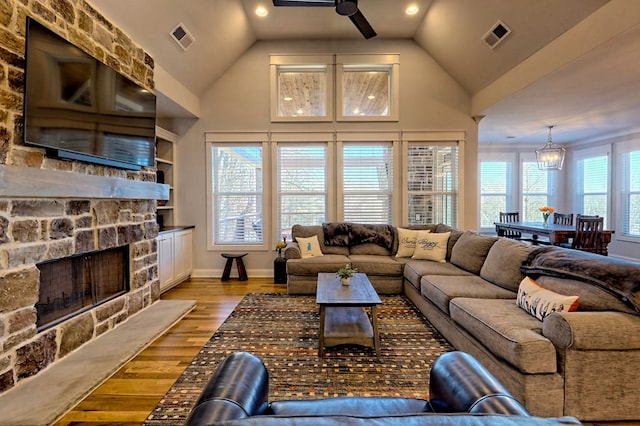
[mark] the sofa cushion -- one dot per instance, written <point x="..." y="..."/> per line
<point x="414" y="270"/>
<point x="471" y="250"/>
<point x="453" y="237"/>
<point x="406" y="242"/>
<point x="309" y="247"/>
<point x="540" y="302"/>
<point x="376" y="265"/>
<point x="431" y="246"/>
<point x="310" y="230"/>
<point x="592" y="297"/>
<point x="440" y="289"/>
<point x="313" y="265"/>
<point x="506" y="331"/>
<point x="369" y="248"/>
<point x="502" y="265"/>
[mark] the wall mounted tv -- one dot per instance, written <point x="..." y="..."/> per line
<point x="78" y="108"/>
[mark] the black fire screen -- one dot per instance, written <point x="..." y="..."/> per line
<point x="74" y="284"/>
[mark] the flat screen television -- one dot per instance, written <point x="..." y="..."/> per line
<point x="78" y="108"/>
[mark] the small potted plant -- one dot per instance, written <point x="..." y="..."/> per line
<point x="345" y="273"/>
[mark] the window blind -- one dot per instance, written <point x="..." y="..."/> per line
<point x="367" y="181"/>
<point x="432" y="184"/>
<point x="495" y="189"/>
<point x="535" y="191"/>
<point x="302" y="185"/>
<point x="630" y="191"/>
<point x="594" y="186"/>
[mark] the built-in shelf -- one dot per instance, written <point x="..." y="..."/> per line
<point x="165" y="158"/>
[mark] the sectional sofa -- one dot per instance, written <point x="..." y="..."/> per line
<point x="581" y="363"/>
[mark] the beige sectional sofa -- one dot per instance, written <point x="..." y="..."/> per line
<point x="581" y="363"/>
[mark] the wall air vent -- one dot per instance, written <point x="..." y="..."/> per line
<point x="496" y="34"/>
<point x="182" y="36"/>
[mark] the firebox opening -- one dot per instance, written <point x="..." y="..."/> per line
<point x="75" y="284"/>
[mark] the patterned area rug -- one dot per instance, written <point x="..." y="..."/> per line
<point x="283" y="331"/>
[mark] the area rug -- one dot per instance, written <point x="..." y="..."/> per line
<point x="283" y="331"/>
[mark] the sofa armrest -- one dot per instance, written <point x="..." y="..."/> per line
<point x="292" y="251"/>
<point x="601" y="330"/>
<point x="458" y="383"/>
<point x="238" y="389"/>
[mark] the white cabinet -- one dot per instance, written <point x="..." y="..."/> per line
<point x="175" y="257"/>
<point x="183" y="251"/>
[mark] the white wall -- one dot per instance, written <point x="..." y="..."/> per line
<point x="239" y="101"/>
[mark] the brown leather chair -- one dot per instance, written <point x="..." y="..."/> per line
<point x="588" y="234"/>
<point x="563" y="219"/>
<point x="510" y="217"/>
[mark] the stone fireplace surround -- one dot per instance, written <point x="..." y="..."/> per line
<point x="51" y="209"/>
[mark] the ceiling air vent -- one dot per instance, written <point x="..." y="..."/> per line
<point x="496" y="34"/>
<point x="182" y="36"/>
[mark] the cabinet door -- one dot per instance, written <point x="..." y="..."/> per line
<point x="166" y="268"/>
<point x="183" y="251"/>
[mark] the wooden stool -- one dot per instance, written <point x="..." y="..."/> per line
<point x="242" y="272"/>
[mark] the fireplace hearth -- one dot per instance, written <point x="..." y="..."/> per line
<point x="75" y="284"/>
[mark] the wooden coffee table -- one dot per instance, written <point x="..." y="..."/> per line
<point x="343" y="314"/>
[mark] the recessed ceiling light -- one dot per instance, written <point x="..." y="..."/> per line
<point x="371" y="97"/>
<point x="411" y="9"/>
<point x="288" y="98"/>
<point x="261" y="11"/>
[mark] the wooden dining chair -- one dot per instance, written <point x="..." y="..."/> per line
<point x="563" y="219"/>
<point x="510" y="217"/>
<point x="588" y="234"/>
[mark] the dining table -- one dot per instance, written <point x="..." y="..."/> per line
<point x="556" y="233"/>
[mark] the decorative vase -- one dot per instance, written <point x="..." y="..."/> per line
<point x="345" y="281"/>
<point x="545" y="220"/>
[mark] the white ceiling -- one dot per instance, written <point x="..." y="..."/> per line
<point x="574" y="64"/>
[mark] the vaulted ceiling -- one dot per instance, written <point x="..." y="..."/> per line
<point x="571" y="63"/>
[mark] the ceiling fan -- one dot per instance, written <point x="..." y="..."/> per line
<point x="343" y="7"/>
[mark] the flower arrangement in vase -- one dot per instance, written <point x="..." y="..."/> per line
<point x="345" y="273"/>
<point x="546" y="212"/>
<point x="281" y="244"/>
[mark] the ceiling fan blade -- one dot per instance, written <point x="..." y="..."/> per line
<point x="304" y="2"/>
<point x="363" y="25"/>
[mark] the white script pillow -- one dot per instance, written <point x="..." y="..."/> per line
<point x="431" y="246"/>
<point x="406" y="242"/>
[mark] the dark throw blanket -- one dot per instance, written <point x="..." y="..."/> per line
<point x="350" y="234"/>
<point x="619" y="277"/>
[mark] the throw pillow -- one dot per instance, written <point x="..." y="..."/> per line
<point x="431" y="246"/>
<point x="540" y="302"/>
<point x="471" y="250"/>
<point x="309" y="247"/>
<point x="407" y="242"/>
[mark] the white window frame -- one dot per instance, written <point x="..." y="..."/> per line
<point x="551" y="187"/>
<point x="513" y="191"/>
<point x="434" y="138"/>
<point x="302" y="138"/>
<point x="301" y="63"/>
<point x="373" y="62"/>
<point x="580" y="156"/>
<point x="367" y="138"/>
<point x="236" y="139"/>
<point x="622" y="183"/>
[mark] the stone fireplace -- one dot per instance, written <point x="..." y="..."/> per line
<point x="54" y="209"/>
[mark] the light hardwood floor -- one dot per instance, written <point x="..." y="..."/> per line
<point x="130" y="395"/>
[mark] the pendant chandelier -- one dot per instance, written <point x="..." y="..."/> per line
<point x="550" y="156"/>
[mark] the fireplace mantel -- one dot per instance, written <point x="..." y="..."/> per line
<point x="26" y="182"/>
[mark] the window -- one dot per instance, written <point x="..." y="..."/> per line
<point x="593" y="182"/>
<point x="302" y="185"/>
<point x="535" y="191"/>
<point x="432" y="184"/>
<point x="368" y="87"/>
<point x="495" y="191"/>
<point x="237" y="194"/>
<point x="630" y="192"/>
<point x="367" y="182"/>
<point x="302" y="88"/>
